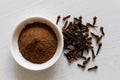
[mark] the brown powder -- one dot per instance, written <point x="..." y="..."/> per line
<point x="37" y="42"/>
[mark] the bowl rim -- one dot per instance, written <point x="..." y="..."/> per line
<point x="55" y="57"/>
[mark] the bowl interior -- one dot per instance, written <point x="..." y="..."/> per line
<point x="15" y="49"/>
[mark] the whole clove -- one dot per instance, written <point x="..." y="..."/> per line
<point x="102" y="31"/>
<point x="94" y="20"/>
<point x="88" y="24"/>
<point x="93" y="54"/>
<point x="94" y="35"/>
<point x="99" y="39"/>
<point x="65" y="18"/>
<point x="66" y="55"/>
<point x="80" y="19"/>
<point x="82" y="66"/>
<point x="83" y="57"/>
<point x="93" y="68"/>
<point x="99" y="47"/>
<point x="65" y="24"/>
<point x="76" y="19"/>
<point x="69" y="25"/>
<point x="58" y="18"/>
<point x="69" y="58"/>
<point x="86" y="61"/>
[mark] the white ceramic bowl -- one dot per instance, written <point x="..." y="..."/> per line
<point x="15" y="48"/>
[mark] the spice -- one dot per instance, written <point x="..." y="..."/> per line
<point x="80" y="18"/>
<point x="68" y="57"/>
<point x="74" y="37"/>
<point x="99" y="47"/>
<point x="82" y="66"/>
<point x="86" y="61"/>
<point x="64" y="18"/>
<point x="94" y="20"/>
<point x="83" y="57"/>
<point x="77" y="35"/>
<point x="58" y="18"/>
<point x="94" y="35"/>
<point x="76" y="19"/>
<point x="69" y="25"/>
<point x="88" y="24"/>
<point x="102" y="31"/>
<point x="99" y="38"/>
<point x="93" y="54"/>
<point x="93" y="68"/>
<point x="37" y="42"/>
<point x="65" y="25"/>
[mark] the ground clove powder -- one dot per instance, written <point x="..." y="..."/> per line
<point x="37" y="42"/>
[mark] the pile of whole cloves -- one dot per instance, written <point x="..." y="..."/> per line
<point x="78" y="40"/>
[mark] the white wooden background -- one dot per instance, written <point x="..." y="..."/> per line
<point x="108" y="11"/>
